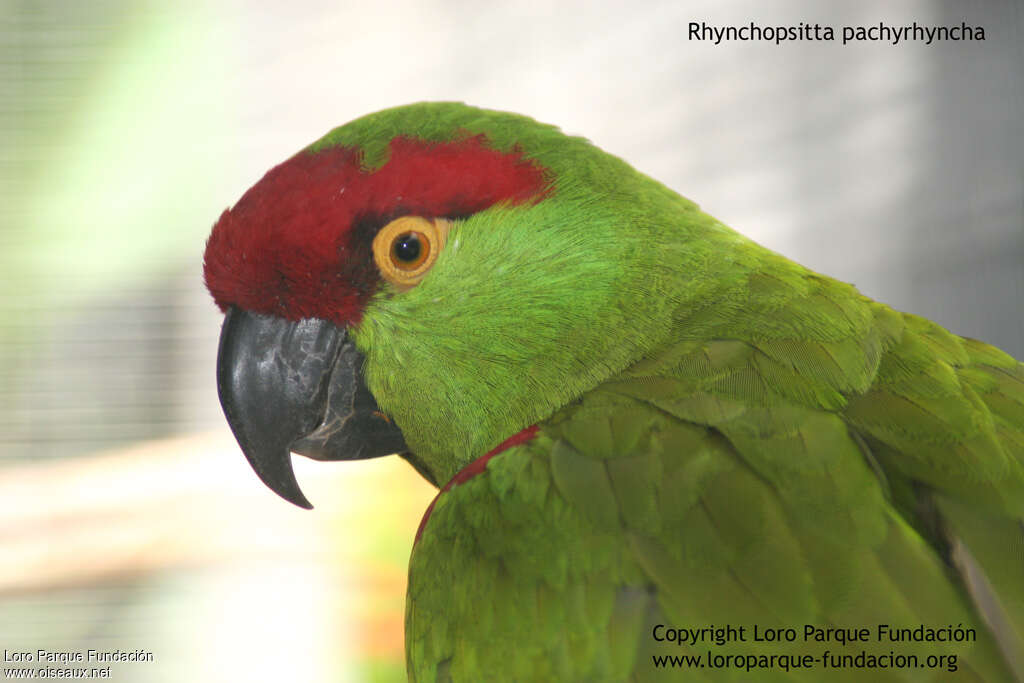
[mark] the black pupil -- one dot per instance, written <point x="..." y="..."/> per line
<point x="407" y="247"/>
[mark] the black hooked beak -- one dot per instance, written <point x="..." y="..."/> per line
<point x="297" y="386"/>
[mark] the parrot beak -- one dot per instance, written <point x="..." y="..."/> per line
<point x="297" y="386"/>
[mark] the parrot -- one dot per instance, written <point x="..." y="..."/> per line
<point x="662" y="451"/>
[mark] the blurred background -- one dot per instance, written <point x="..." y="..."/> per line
<point x="128" y="517"/>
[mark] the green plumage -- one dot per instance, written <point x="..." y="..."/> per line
<point x="726" y="438"/>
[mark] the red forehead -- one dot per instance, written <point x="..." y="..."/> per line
<point x="297" y="244"/>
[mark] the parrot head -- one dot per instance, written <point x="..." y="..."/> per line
<point x="433" y="279"/>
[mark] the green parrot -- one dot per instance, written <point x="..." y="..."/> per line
<point x="663" y="451"/>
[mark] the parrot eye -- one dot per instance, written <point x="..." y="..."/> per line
<point x="409" y="250"/>
<point x="407" y="247"/>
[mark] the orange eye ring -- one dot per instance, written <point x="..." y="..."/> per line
<point x="407" y="247"/>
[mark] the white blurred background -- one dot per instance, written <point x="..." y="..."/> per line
<point x="128" y="517"/>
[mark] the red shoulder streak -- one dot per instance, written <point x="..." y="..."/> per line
<point x="474" y="468"/>
<point x="297" y="244"/>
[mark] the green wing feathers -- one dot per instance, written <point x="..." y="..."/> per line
<point x="821" y="460"/>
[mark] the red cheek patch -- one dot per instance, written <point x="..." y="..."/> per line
<point x="297" y="244"/>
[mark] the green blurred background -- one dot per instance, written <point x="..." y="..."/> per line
<point x="128" y="518"/>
